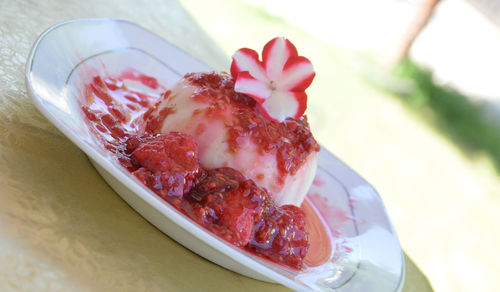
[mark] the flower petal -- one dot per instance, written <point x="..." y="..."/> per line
<point x="275" y="55"/>
<point x="298" y="73"/>
<point x="283" y="104"/>
<point x="247" y="60"/>
<point x="248" y="85"/>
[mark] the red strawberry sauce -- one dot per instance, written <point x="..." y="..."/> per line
<point x="221" y="200"/>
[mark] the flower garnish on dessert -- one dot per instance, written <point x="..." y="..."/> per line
<point x="232" y="152"/>
<point x="278" y="82"/>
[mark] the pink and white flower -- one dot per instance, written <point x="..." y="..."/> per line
<point x="278" y="82"/>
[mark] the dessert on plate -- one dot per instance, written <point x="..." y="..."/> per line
<point x="233" y="152"/>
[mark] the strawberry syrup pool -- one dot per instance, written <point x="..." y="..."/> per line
<point x="221" y="200"/>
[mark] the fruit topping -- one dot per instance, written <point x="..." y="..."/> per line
<point x="232" y="204"/>
<point x="168" y="164"/>
<point x="278" y="82"/>
<point x="241" y="212"/>
<point x="281" y="236"/>
<point x="222" y="200"/>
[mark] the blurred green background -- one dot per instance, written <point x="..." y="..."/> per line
<point x="431" y="150"/>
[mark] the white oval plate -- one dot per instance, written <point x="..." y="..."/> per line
<point x="367" y="255"/>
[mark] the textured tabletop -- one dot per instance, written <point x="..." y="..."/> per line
<point x="62" y="228"/>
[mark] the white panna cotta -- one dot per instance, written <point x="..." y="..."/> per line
<point x="231" y="132"/>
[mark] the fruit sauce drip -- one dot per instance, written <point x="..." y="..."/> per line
<point x="221" y="200"/>
<point x="291" y="141"/>
<point x="115" y="111"/>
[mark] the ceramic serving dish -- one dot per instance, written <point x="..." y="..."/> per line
<point x="365" y="256"/>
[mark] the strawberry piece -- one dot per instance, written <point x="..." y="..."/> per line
<point x="275" y="55"/>
<point x="239" y="211"/>
<point x="228" y="204"/>
<point x="168" y="152"/>
<point x="278" y="82"/>
<point x="250" y="86"/>
<point x="284" y="104"/>
<point x="298" y="74"/>
<point x="281" y="236"/>
<point x="238" y="218"/>
<point x="222" y="200"/>
<point x="166" y="163"/>
<point x="248" y="60"/>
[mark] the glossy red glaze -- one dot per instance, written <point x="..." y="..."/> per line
<point x="113" y="110"/>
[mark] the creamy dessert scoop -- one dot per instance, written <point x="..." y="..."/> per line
<point x="230" y="132"/>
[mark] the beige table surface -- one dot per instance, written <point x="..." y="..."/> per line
<point x="62" y="228"/>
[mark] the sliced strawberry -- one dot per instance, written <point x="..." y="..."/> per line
<point x="237" y="217"/>
<point x="278" y="83"/>
<point x="284" y="104"/>
<point x="298" y="74"/>
<point x="246" y="84"/>
<point x="275" y="55"/>
<point x="168" y="152"/>
<point x="281" y="235"/>
<point x="167" y="163"/>
<point x="248" y="60"/>
<point x="228" y="204"/>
